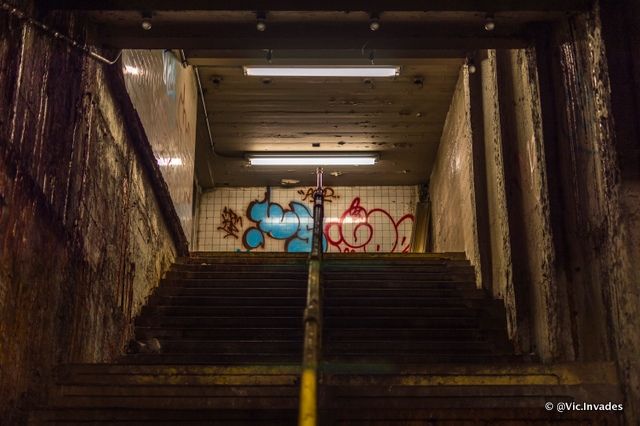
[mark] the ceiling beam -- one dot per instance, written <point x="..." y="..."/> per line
<point x="431" y="43"/>
<point x="493" y="6"/>
<point x="309" y="37"/>
<point x="208" y="57"/>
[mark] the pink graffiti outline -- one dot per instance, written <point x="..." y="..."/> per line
<point x="356" y="210"/>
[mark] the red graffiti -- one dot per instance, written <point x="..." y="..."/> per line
<point x="359" y="230"/>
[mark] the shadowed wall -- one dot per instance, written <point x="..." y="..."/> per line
<point x="82" y="239"/>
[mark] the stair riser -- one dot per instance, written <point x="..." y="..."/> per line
<point x="329" y="302"/>
<point x="182" y="402"/>
<point x="220" y="334"/>
<point x="133" y="380"/>
<point x="237" y="359"/>
<point x="342" y="311"/>
<point x="236" y="282"/>
<point x="223" y="347"/>
<point x="224" y="322"/>
<point x="399" y="285"/>
<point x="248" y="274"/>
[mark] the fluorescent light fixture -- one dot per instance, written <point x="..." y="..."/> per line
<point x="322" y="71"/>
<point x="313" y="160"/>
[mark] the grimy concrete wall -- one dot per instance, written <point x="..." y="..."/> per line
<point x="502" y="286"/>
<point x="621" y="35"/>
<point x="593" y="153"/>
<point x="451" y="186"/>
<point x="82" y="238"/>
<point x="526" y="187"/>
<point x="568" y="140"/>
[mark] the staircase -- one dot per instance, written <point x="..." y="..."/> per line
<point x="408" y="340"/>
<point x="398" y="310"/>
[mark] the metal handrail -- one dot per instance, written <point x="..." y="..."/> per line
<point x="308" y="415"/>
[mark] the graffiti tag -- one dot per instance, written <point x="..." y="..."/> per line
<point x="230" y="221"/>
<point x="293" y="225"/>
<point x="327" y="193"/>
<point x="359" y="230"/>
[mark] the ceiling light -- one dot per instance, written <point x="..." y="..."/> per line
<point x="322" y="71"/>
<point x="146" y="21"/>
<point x="489" y="23"/>
<point x="312" y="160"/>
<point x="374" y="22"/>
<point x="261" y="18"/>
<point x="471" y="66"/>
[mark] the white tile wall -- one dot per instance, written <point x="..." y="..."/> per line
<point x="377" y="222"/>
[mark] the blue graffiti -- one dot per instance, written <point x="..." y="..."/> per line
<point x="293" y="225"/>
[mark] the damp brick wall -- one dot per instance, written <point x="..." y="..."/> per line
<point x="82" y="238"/>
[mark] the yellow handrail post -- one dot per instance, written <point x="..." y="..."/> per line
<point x="308" y="414"/>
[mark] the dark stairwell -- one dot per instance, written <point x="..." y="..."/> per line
<point x="543" y="157"/>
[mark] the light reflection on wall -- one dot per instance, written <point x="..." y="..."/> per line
<point x="165" y="97"/>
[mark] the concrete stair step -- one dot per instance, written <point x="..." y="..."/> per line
<point x="389" y="292"/>
<point x="393" y="257"/>
<point x="214" y="292"/>
<point x="237" y="282"/>
<point x="232" y="321"/>
<point x="69" y="370"/>
<point x="412" y="311"/>
<point x="425" y="302"/>
<point x="403" y="322"/>
<point x="246" y="311"/>
<point x="219" y="333"/>
<point x="461" y="416"/>
<point x="141" y="417"/>
<point x="248" y="300"/>
<point x="68" y="392"/>
<point x="398" y="275"/>
<point x="186" y="398"/>
<point x="408" y="347"/>
<point x="330" y="263"/>
<point x="398" y="284"/>
<point x="240" y="358"/>
<point x="253" y="257"/>
<point x="427" y="334"/>
<point x="338" y="361"/>
<point x="391" y="270"/>
<point x="247" y="273"/>
<point x="231" y="346"/>
<point x="299" y="267"/>
<point x="467" y="396"/>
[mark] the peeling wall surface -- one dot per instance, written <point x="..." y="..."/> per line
<point x="621" y="33"/>
<point x="356" y="219"/>
<point x="165" y="96"/>
<point x="82" y="241"/>
<point x="600" y="200"/>
<point x="451" y="185"/>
